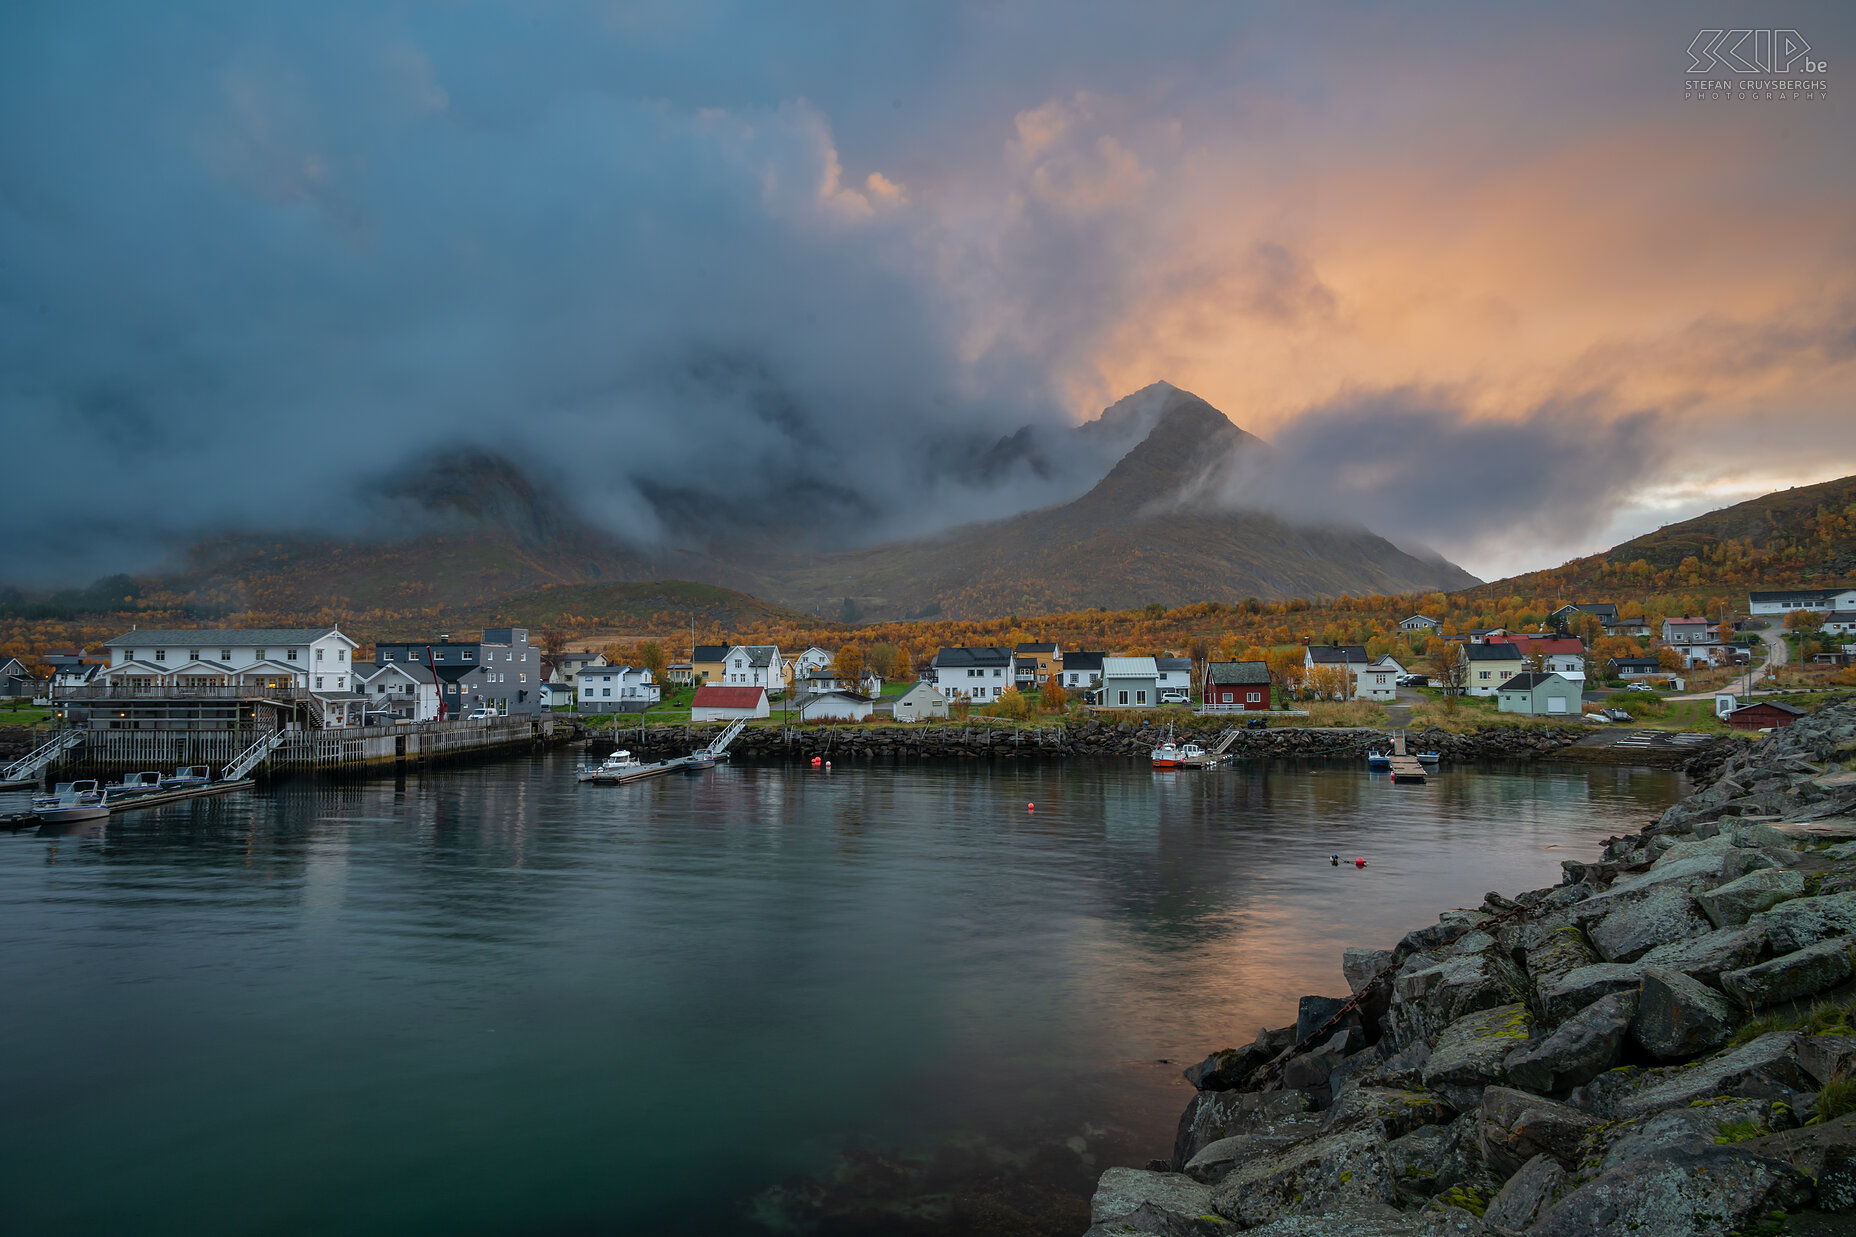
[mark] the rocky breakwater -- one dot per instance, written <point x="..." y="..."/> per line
<point x="1663" y="1045"/>
<point x="1094" y="738"/>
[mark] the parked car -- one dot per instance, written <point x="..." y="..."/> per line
<point x="1639" y="687"/>
<point x="1175" y="695"/>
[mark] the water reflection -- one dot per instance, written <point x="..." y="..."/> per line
<point x="492" y="1000"/>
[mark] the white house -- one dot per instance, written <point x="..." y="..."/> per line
<point x="1174" y="675"/>
<point x="1826" y="601"/>
<point x="920" y="702"/>
<point x="567" y="668"/>
<point x="319" y="660"/>
<point x="393" y="692"/>
<point x="754" y="665"/>
<point x="1082" y="671"/>
<point x="723" y="703"/>
<point x="1377" y="680"/>
<point x="972" y="673"/>
<point x="617" y="689"/>
<point x="836" y="706"/>
<point x="803" y="665"/>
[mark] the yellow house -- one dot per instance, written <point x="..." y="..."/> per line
<point x="706" y="666"/>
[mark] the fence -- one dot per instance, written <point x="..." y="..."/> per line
<point x="132" y="750"/>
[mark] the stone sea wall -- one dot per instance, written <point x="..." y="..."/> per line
<point x="1663" y="1045"/>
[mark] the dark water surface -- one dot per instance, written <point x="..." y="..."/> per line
<point x="492" y="1001"/>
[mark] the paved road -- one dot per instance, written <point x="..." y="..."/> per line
<point x="1777" y="654"/>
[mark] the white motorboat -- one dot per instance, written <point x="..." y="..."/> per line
<point x="615" y="768"/>
<point x="188" y="776"/>
<point x="1166" y="756"/>
<point x="136" y="784"/>
<point x="69" y="801"/>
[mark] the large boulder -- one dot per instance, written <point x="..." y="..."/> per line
<point x="1372" y="1219"/>
<point x="1803" y="922"/>
<point x="1426" y="1000"/>
<point x="1213" y="1115"/>
<point x="1135" y="1200"/>
<point x="1694" y="1126"/>
<point x="1310" y="1071"/>
<point x="1678" y="1017"/>
<point x="1739" y="900"/>
<point x="1678" y="1193"/>
<point x="1316" y="1174"/>
<point x="1360" y="966"/>
<point x="1434" y="1159"/>
<point x="1708" y="957"/>
<point x="1313" y="1012"/>
<point x="1578" y="1050"/>
<point x="1666" y="914"/>
<point x="1393" y="1113"/>
<point x="1805" y="972"/>
<point x="1515" y="1127"/>
<point x="1825" y="1056"/>
<point x="1764" y="1065"/>
<point x="1822" y="1151"/>
<point x="1576" y="990"/>
<point x="1539" y="1184"/>
<point x="1225" y="1070"/>
<point x="1553" y="952"/>
<point x="1469" y="1053"/>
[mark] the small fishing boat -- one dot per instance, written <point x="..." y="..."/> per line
<point x="1428" y="758"/>
<point x="1191" y="753"/>
<point x="69" y="801"/>
<point x="698" y="761"/>
<point x="136" y="784"/>
<point x="188" y="776"/>
<point x="1378" y="760"/>
<point x="1166" y="756"/>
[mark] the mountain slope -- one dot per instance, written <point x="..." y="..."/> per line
<point x="1764" y="522"/>
<point x="1136" y="537"/>
<point x="469" y="533"/>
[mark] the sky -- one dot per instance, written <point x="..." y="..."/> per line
<point x="1483" y="275"/>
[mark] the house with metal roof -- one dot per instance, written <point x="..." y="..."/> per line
<point x="1780" y="602"/>
<point x="754" y="665"/>
<point x="1129" y="683"/>
<point x="309" y="669"/>
<point x="919" y="703"/>
<point x="1420" y="623"/>
<point x="1235" y="687"/>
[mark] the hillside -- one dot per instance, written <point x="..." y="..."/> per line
<point x="1800" y="536"/>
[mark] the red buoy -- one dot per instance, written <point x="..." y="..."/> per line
<point x="1359" y="863"/>
<point x="1031" y="807"/>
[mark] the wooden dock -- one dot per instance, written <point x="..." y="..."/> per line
<point x="136" y="803"/>
<point x="1407" y="769"/>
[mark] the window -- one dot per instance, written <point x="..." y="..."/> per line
<point x="387" y="656"/>
<point x="291" y="655"/>
<point x="468" y="655"/>
<point x="737" y="663"/>
<point x="341" y="654"/>
<point x="1251" y="697"/>
<point x="193" y="654"/>
<point x="1123" y="698"/>
<point x="606" y="692"/>
<point x="225" y="654"/>
<point x="997" y="673"/>
<point x="259" y="654"/>
<point x="318" y="682"/>
<point x="161" y="654"/>
<point x="1227" y="698"/>
<point x="318" y="654"/>
<point x="1140" y="697"/>
<point x="413" y="655"/>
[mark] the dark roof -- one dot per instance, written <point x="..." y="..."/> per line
<point x="1237" y="673"/>
<point x="1173" y="663"/>
<point x="1024" y="663"/>
<point x="204" y="636"/>
<point x="711" y="652"/>
<point x="1635" y="661"/>
<point x="1793" y="709"/>
<point x="760" y="656"/>
<point x="1336" y="654"/>
<point x="1526" y="681"/>
<point x="1035" y="648"/>
<point x="1076" y="659"/>
<point x="1493" y="652"/>
<point x="1600" y="608"/>
<point x="961" y="657"/>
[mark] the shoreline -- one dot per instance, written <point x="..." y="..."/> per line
<point x="1629" y="1052"/>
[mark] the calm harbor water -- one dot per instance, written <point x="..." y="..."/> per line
<point x="876" y="999"/>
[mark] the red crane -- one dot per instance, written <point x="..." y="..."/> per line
<point x="433" y="663"/>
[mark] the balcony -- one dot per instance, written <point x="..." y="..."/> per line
<point x="178" y="691"/>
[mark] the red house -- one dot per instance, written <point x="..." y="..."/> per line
<point x="1236" y="686"/>
<point x="1762" y="714"/>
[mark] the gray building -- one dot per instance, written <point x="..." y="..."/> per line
<point x="1129" y="683"/>
<point x="1541" y="693"/>
<point x="501" y="671"/>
